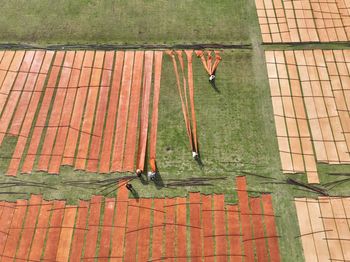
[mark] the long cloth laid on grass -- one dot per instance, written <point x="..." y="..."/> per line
<point x="187" y="88"/>
<point x="121" y="227"/>
<point x="96" y="101"/>
<point x="154" y="129"/>
<point x="208" y="64"/>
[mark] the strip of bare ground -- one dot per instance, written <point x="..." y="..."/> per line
<point x="12" y="46"/>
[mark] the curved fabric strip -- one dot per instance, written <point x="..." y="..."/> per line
<point x="179" y="55"/>
<point x="113" y="105"/>
<point x="200" y="54"/>
<point x="101" y="112"/>
<point x="60" y="142"/>
<point x="78" y="110"/>
<point x="56" y="113"/>
<point x="135" y="95"/>
<point x="209" y="61"/>
<point x="217" y="62"/>
<point x="156" y="91"/>
<point x="191" y="92"/>
<point x="188" y="128"/>
<point x="90" y="109"/>
<point x="43" y="114"/>
<point x="123" y="111"/>
<point x="147" y="82"/>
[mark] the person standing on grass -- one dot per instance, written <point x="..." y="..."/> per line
<point x="129" y="187"/>
<point x="138" y="172"/>
<point x="211" y="78"/>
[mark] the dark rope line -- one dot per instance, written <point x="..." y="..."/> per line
<point x="311" y="233"/>
<point x="127" y="180"/>
<point x="12" y="193"/>
<point x="223" y="235"/>
<point x="78" y="228"/>
<point x="182" y="225"/>
<point x="216" y="255"/>
<point x="291" y="117"/>
<point x="337" y="182"/>
<point x="288" y="136"/>
<point x="110" y="226"/>
<point x="29" y="205"/>
<point x="307" y="186"/>
<point x="253" y="191"/>
<point x="13" y="207"/>
<point x="251" y="239"/>
<point x="295" y="153"/>
<point x="340" y="239"/>
<point x="20" y="71"/>
<point x="308" y="201"/>
<point x="232" y="211"/>
<point x="83" y="258"/>
<point x="81" y="68"/>
<point x="297" y="65"/>
<point x="344" y="218"/>
<point x="260" y="214"/>
<point x="26" y="259"/>
<point x="215" y="210"/>
<point x="304" y="43"/>
<point x="76" y="87"/>
<point x="302" y="96"/>
<point x="126" y="47"/>
<point x="64" y="208"/>
<point x="260" y="176"/>
<point x="12" y="134"/>
<point x="161" y="225"/>
<point x="149" y="208"/>
<point x="51" y="203"/>
<point x="27" y="91"/>
<point x="67" y="126"/>
<point x="28" y="185"/>
<point x="143" y="228"/>
<point x="187" y="203"/>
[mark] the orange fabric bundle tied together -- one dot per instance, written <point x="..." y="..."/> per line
<point x="208" y="63"/>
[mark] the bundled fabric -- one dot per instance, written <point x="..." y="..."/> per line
<point x="208" y="64"/>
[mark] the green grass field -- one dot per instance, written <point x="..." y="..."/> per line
<point x="124" y="22"/>
<point x="236" y="135"/>
<point x="236" y="128"/>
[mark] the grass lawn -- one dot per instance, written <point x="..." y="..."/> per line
<point x="236" y="135"/>
<point x="120" y="22"/>
<point x="235" y="125"/>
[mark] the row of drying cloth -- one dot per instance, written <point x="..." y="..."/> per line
<point x="186" y="89"/>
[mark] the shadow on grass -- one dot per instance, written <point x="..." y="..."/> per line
<point x="213" y="85"/>
<point x="158" y="181"/>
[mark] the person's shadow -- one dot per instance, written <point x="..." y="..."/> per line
<point x="199" y="162"/>
<point x="143" y="180"/>
<point x="198" y="159"/>
<point x="158" y="181"/>
<point x="134" y="193"/>
<point x="213" y="85"/>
